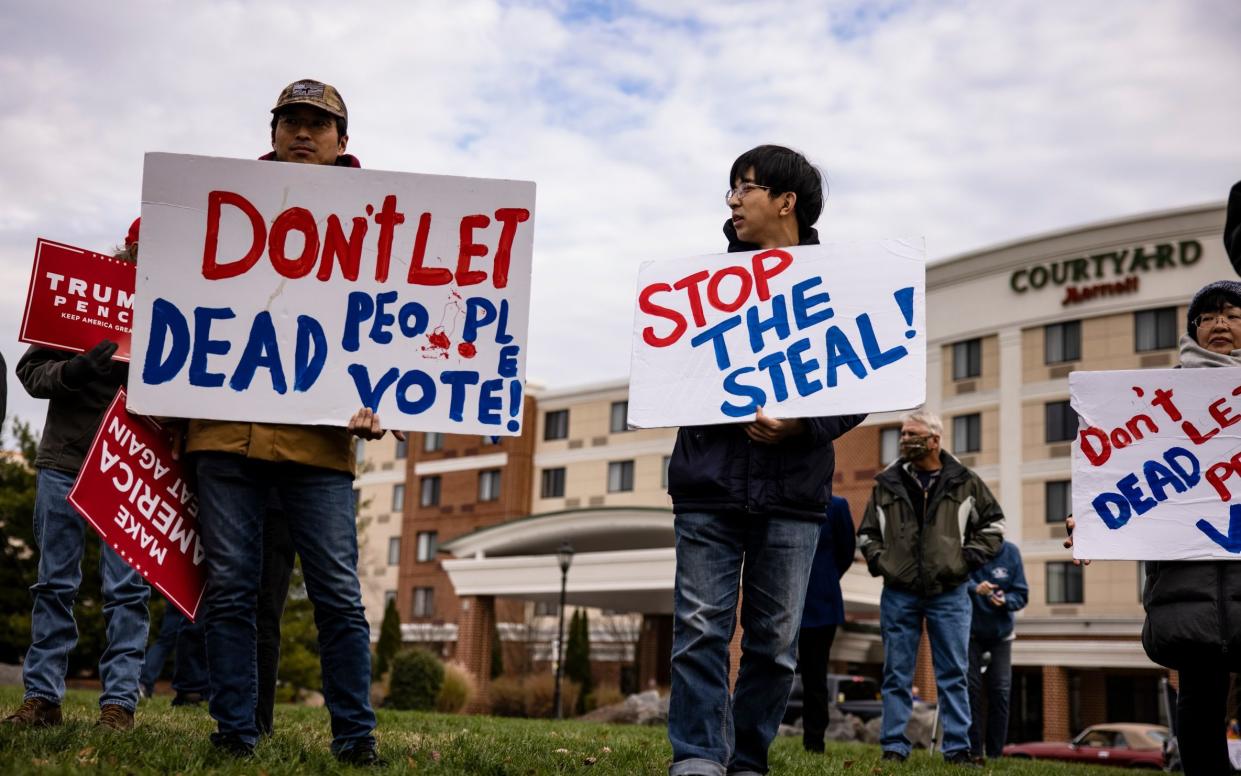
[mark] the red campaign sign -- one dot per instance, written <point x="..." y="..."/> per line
<point x="135" y="496"/>
<point x="77" y="298"/>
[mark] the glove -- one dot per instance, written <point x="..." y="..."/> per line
<point x="87" y="367"/>
<point x="872" y="565"/>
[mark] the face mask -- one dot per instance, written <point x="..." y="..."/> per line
<point x="913" y="448"/>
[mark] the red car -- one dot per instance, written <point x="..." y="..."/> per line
<point x="1127" y="744"/>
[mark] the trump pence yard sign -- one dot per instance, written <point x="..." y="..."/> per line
<point x="1157" y="464"/>
<point x="806" y="331"/>
<point x="296" y="293"/>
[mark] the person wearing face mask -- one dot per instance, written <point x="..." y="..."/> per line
<point x="930" y="521"/>
<point x="1193" y="608"/>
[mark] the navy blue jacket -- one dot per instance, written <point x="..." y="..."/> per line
<point x="1005" y="570"/>
<point x="832" y="558"/>
<point x="718" y="468"/>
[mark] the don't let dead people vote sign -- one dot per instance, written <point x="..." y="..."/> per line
<point x="806" y="331"/>
<point x="296" y="293"/>
<point x="1157" y="464"/>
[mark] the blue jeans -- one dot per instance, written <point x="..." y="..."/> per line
<point x="948" y="627"/>
<point x="233" y="494"/>
<point x="165" y="644"/>
<point x="770" y="557"/>
<point x="60" y="533"/>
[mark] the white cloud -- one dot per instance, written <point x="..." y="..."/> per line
<point x="970" y="122"/>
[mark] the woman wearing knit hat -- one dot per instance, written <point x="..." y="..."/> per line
<point x="1193" y="608"/>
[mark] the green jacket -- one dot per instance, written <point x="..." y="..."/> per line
<point x="929" y="549"/>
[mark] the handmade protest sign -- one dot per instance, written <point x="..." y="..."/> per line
<point x="77" y="298"/>
<point x="137" y="499"/>
<point x="805" y="331"/>
<point x="1157" y="464"/>
<point x="297" y="293"/>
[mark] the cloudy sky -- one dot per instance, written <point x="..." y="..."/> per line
<point x="970" y="122"/>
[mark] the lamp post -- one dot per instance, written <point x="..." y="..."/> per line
<point x="564" y="556"/>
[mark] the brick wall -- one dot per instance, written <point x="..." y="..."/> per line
<point x="1056" y="704"/>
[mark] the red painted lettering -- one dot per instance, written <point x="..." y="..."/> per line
<point x="763" y="273"/>
<point x="1096" y="455"/>
<point x="212" y="269"/>
<point x="1223" y="415"/>
<point x="294" y="219"/>
<point x="388" y="219"/>
<point x="418" y="274"/>
<point x="713" y="289"/>
<point x="469" y="249"/>
<point x="690" y="283"/>
<point x="510" y="217"/>
<point x="650" y="308"/>
<point x="347" y="251"/>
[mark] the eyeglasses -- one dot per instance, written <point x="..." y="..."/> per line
<point x="1208" y="320"/>
<point x="314" y="124"/>
<point x="745" y="188"/>
<point x="915" y="435"/>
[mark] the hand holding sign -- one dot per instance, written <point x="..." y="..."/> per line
<point x="770" y="431"/>
<point x="365" y="425"/>
<point x="88" y="367"/>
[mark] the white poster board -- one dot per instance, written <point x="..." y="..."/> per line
<point x="298" y="293"/>
<point x="1156" y="470"/>
<point x="808" y="331"/>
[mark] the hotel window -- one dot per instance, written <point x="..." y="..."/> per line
<point x="1154" y="329"/>
<point x="556" y="425"/>
<point x="967" y="433"/>
<point x="428" y="544"/>
<point x="489" y="485"/>
<point x="424" y="601"/>
<point x="432" y="441"/>
<point x="430" y="493"/>
<point x="1062" y="342"/>
<point x="620" y="417"/>
<point x="889" y="445"/>
<point x="394" y="551"/>
<point x="663" y="471"/>
<point x="553" y="483"/>
<point x="402" y="449"/>
<point x="398" y="498"/>
<point x="1064" y="583"/>
<point x="1060" y="422"/>
<point x="1059" y="500"/>
<point x="620" y="476"/>
<point x="967" y="359"/>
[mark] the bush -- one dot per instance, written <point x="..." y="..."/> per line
<point x="457" y="691"/>
<point x="417" y="677"/>
<point x="541" y="696"/>
<point x="508" y="697"/>
<point x="606" y="695"/>
<point x="532" y="696"/>
<point x="389" y="640"/>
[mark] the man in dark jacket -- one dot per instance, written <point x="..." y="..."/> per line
<point x="749" y="499"/>
<point x="997" y="590"/>
<point x="823" y="613"/>
<point x="929" y="522"/>
<point x="1232" y="228"/>
<point x="79" y="387"/>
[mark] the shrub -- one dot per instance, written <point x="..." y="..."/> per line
<point x="457" y="690"/>
<point x="540" y="693"/>
<point x="389" y="640"/>
<point x="577" y="658"/>
<point x="606" y="695"/>
<point x="417" y="676"/>
<point x="508" y="698"/>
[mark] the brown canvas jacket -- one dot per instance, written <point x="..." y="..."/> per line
<point x="324" y="446"/>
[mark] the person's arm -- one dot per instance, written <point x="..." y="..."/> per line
<point x="4" y="391"/>
<point x="844" y="542"/>
<point x="824" y="430"/>
<point x="1019" y="592"/>
<point x="48" y="374"/>
<point x="984" y="533"/>
<point x="870" y="536"/>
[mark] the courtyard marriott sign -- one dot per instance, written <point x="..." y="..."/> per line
<point x="1084" y="276"/>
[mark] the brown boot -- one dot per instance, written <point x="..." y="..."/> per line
<point x="34" y="712"/>
<point x="115" y="717"/>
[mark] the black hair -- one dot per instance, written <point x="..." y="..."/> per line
<point x="1216" y="301"/>
<point x="342" y="125"/>
<point x="784" y="170"/>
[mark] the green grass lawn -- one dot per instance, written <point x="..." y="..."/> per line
<point x="174" y="740"/>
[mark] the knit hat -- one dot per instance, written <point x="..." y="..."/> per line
<point x="131" y="238"/>
<point x="1229" y="288"/>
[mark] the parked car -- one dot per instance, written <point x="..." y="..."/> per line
<point x="1127" y="744"/>
<point x="856" y="695"/>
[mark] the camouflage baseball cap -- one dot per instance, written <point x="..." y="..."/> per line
<point x="315" y="94"/>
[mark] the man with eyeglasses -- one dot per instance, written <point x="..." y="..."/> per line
<point x="310" y="470"/>
<point x="930" y="521"/>
<point x="749" y="500"/>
